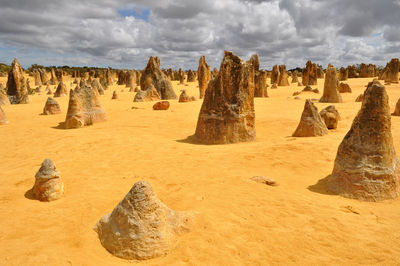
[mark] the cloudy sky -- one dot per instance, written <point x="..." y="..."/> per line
<point x="124" y="33"/>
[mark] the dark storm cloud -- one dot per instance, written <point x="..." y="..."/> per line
<point x="87" y="32"/>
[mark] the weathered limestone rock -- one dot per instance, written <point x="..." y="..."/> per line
<point x="184" y="97"/>
<point x="366" y="166"/>
<point x="3" y="117"/>
<point x="310" y="74"/>
<point x="330" y="116"/>
<point x="84" y="108"/>
<point x="114" y="96"/>
<point x="367" y="71"/>
<point x="191" y="77"/>
<point x="397" y="109"/>
<point x="148" y="93"/>
<point x="61" y="90"/>
<point x="274" y="86"/>
<point x="204" y="75"/>
<point x="158" y="78"/>
<point x="311" y="123"/>
<point x="36" y="76"/>
<point x="275" y="74"/>
<point x="141" y="226"/>
<point x="59" y="75"/>
<point x="97" y="85"/>
<point x="360" y="98"/>
<point x="352" y="71"/>
<point x="260" y="82"/>
<point x="16" y="85"/>
<point x="283" y="79"/>
<point x="109" y="78"/>
<point x="331" y="94"/>
<point x="320" y="72"/>
<point x="227" y="114"/>
<point x="3" y="96"/>
<point x="52" y="107"/>
<point x="48" y="184"/>
<point x="344" y="87"/>
<point x="295" y="77"/>
<point x="343" y="74"/>
<point x="392" y="71"/>
<point x="163" y="105"/>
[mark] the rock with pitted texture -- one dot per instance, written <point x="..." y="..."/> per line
<point x="283" y="79"/>
<point x="61" y="90"/>
<point x="163" y="105"/>
<point x="3" y="96"/>
<point x="391" y="71"/>
<point x="260" y="82"/>
<point x="191" y="77"/>
<point x="48" y="184"/>
<point x="366" y="166"/>
<point x="352" y="71"/>
<point x="331" y="94"/>
<point x="147" y="93"/>
<point x="367" y="71"/>
<point x="51" y="107"/>
<point x="84" y="108"/>
<point x="36" y="76"/>
<point x="310" y="74"/>
<point x="184" y="97"/>
<point x="3" y="117"/>
<point x="158" y="78"/>
<point x="227" y="114"/>
<point x="16" y="85"/>
<point x="344" y="87"/>
<point x="275" y="74"/>
<point x="295" y="77"/>
<point x="311" y="124"/>
<point x="343" y="74"/>
<point x="204" y="75"/>
<point x="97" y="85"/>
<point x="141" y="226"/>
<point x="330" y="116"/>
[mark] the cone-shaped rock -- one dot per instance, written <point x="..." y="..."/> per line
<point x="311" y="123"/>
<point x="3" y="117"/>
<point x="114" y="96"/>
<point x="52" y="107"/>
<point x="84" y="108"/>
<point x="204" y="74"/>
<point x="61" y="90"/>
<point x="48" y="184"/>
<point x="227" y="114"/>
<point x="141" y="226"/>
<point x="366" y="166"/>
<point x="184" y="97"/>
<point x="16" y="84"/>
<point x="331" y="93"/>
<point x="158" y="78"/>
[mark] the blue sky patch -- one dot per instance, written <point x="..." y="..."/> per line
<point x="137" y="12"/>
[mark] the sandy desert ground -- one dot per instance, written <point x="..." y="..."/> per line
<point x="241" y="222"/>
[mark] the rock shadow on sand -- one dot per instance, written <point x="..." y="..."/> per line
<point x="60" y="125"/>
<point x="29" y="194"/>
<point x="321" y="187"/>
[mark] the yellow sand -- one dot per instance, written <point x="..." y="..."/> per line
<point x="241" y="222"/>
